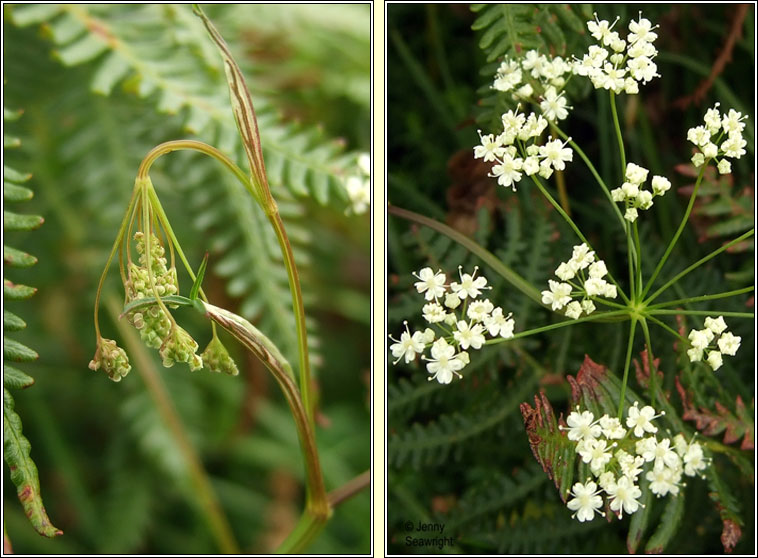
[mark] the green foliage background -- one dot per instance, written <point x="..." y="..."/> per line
<point x="458" y="454"/>
<point x="99" y="86"/>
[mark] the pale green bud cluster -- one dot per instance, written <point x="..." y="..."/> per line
<point x="111" y="358"/>
<point x="179" y="346"/>
<point x="216" y="358"/>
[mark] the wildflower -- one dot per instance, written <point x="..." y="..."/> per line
<point x="582" y="426"/>
<point x="491" y="148"/>
<point x="216" y="358"/>
<point x="408" y="346"/>
<point x="624" y="494"/>
<point x="694" y="460"/>
<point x="431" y="283"/>
<point x="497" y="324"/>
<point x="661" y="185"/>
<point x="553" y="105"/>
<point x="478" y="310"/>
<point x="586" y="501"/>
<point x="662" y="482"/>
<point x="507" y="171"/>
<point x="612" y="428"/>
<point x="558" y="296"/>
<point x="508" y="75"/>
<point x="573" y="309"/>
<point x="724" y="166"/>
<point x="434" y="312"/>
<point x="631" y="466"/>
<point x="729" y="343"/>
<point x="589" y="307"/>
<point x="639" y="419"/>
<point x="469" y="336"/>
<point x="565" y="272"/>
<point x="597" y="453"/>
<point x="452" y="301"/>
<point x="444" y="362"/>
<point x="635" y="173"/>
<point x="699" y="339"/>
<point x="470" y="285"/>
<point x="556" y="154"/>
<point x="714" y="360"/>
<point x="179" y="346"/>
<point x="598" y="270"/>
<point x="581" y="257"/>
<point x="359" y="192"/>
<point x="695" y="354"/>
<point x="665" y="455"/>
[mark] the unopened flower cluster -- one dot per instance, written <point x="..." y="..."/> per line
<point x="578" y="282"/>
<point x="704" y="343"/>
<point x="510" y="163"/>
<point x="111" y="358"/>
<point x="617" y="456"/>
<point x="633" y="194"/>
<point x="717" y="127"/>
<point x="616" y="64"/>
<point x="462" y="321"/>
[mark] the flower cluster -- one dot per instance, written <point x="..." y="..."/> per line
<point x="359" y="187"/>
<point x="587" y="284"/>
<point x="632" y="193"/>
<point x="533" y="159"/>
<point x="460" y="316"/>
<point x="179" y="346"/>
<point x="111" y="358"/>
<point x="153" y="324"/>
<point x="716" y="127"/>
<point x="216" y="358"/>
<point x="704" y="342"/>
<point x="617" y="456"/>
<point x="535" y="70"/>
<point x="617" y="64"/>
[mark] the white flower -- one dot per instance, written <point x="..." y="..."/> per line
<point x="600" y="29"/>
<point x="610" y="291"/>
<point x="698" y="159"/>
<point x="513" y="121"/>
<point x="710" y="150"/>
<point x="573" y="309"/>
<point x="531" y="166"/>
<point x="452" y="301"/>
<point x="533" y="127"/>
<point x="624" y="494"/>
<point x="699" y="338"/>
<point x="595" y="286"/>
<point x="631" y="466"/>
<point x="639" y="419"/>
<point x="606" y="479"/>
<point x="645" y="199"/>
<point x="582" y="426"/>
<point x="470" y="285"/>
<point x="523" y="92"/>
<point x="714" y="360"/>
<point x="556" y="153"/>
<point x="581" y="257"/>
<point x="508" y="75"/>
<point x="554" y="105"/>
<point x="717" y="326"/>
<point x="695" y="354"/>
<point x="586" y="501"/>
<point x="443" y="363"/>
<point x="699" y="135"/>
<point x="635" y="173"/>
<point x="469" y="336"/>
<point x="712" y="119"/>
<point x="433" y="284"/>
<point x="559" y="294"/>
<point x="729" y="343"/>
<point x="618" y="195"/>
<point x="612" y="428"/>
<point x="732" y="122"/>
<point x="733" y="146"/>
<point x="491" y="148"/>
<point x="641" y="31"/>
<point x="598" y="270"/>
<point x="507" y="171"/>
<point x="724" y="166"/>
<point x="645" y="448"/>
<point x="661" y="185"/>
<point x="630" y="189"/>
<point x="408" y="345"/>
<point x="596" y="453"/>
<point x="496" y="324"/>
<point x="428" y="336"/>
<point x="588" y="306"/>
<point x="433" y="313"/>
<point x="631" y="86"/>
<point x="630" y="214"/>
<point x="694" y="460"/>
<point x="479" y="310"/>
<point x="359" y="192"/>
<point x="665" y="455"/>
<point x="662" y="482"/>
<point x="565" y="272"/>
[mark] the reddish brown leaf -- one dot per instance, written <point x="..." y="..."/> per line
<point x="730" y="535"/>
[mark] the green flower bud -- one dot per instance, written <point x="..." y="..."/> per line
<point x="216" y="357"/>
<point x="179" y="346"/>
<point x="111" y="358"/>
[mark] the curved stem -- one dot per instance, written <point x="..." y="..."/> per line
<point x="639" y="260"/>
<point x="626" y="366"/>
<point x="651" y="361"/>
<point x="617" y="126"/>
<point x="701" y="298"/>
<point x="349" y="489"/>
<point x="594" y="318"/>
<point x="700" y="313"/>
<point x="678" y="232"/>
<point x="667" y="328"/>
<point x="699" y="263"/>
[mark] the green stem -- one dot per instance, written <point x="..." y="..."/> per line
<point x="702" y="298"/>
<point x="626" y="366"/>
<point x="593" y="318"/>
<point x="203" y="492"/>
<point x="667" y="328"/>
<point x="486" y="256"/>
<point x="699" y="313"/>
<point x="594" y="173"/>
<point x="678" y="232"/>
<point x="573" y="226"/>
<point x="639" y="259"/>
<point x="630" y="259"/>
<point x="651" y="361"/>
<point x="617" y="126"/>
<point x="699" y="263"/>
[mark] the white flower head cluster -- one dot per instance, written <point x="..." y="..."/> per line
<point x="462" y="319"/>
<point x="632" y="193"/>
<point x="617" y="456"/>
<point x="510" y="165"/>
<point x="617" y="64"/>
<point x="547" y="74"/>
<point x="588" y="284"/>
<point x="359" y="187"/>
<point x="704" y="343"/>
<point x="717" y="127"/>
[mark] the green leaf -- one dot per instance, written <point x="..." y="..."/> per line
<point x="113" y="69"/>
<point x="150" y="301"/>
<point x="85" y="49"/>
<point x="14" y="176"/>
<point x="28" y="14"/>
<point x="198" y="278"/>
<point x="11" y="291"/>
<point x="16" y="222"/>
<point x="19" y="352"/>
<point x="11" y="322"/>
<point x="14" y="378"/>
<point x="672" y="516"/>
<point x="14" y="193"/>
<point x="17" y="258"/>
<point x="16" y="450"/>
<point x="11" y="115"/>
